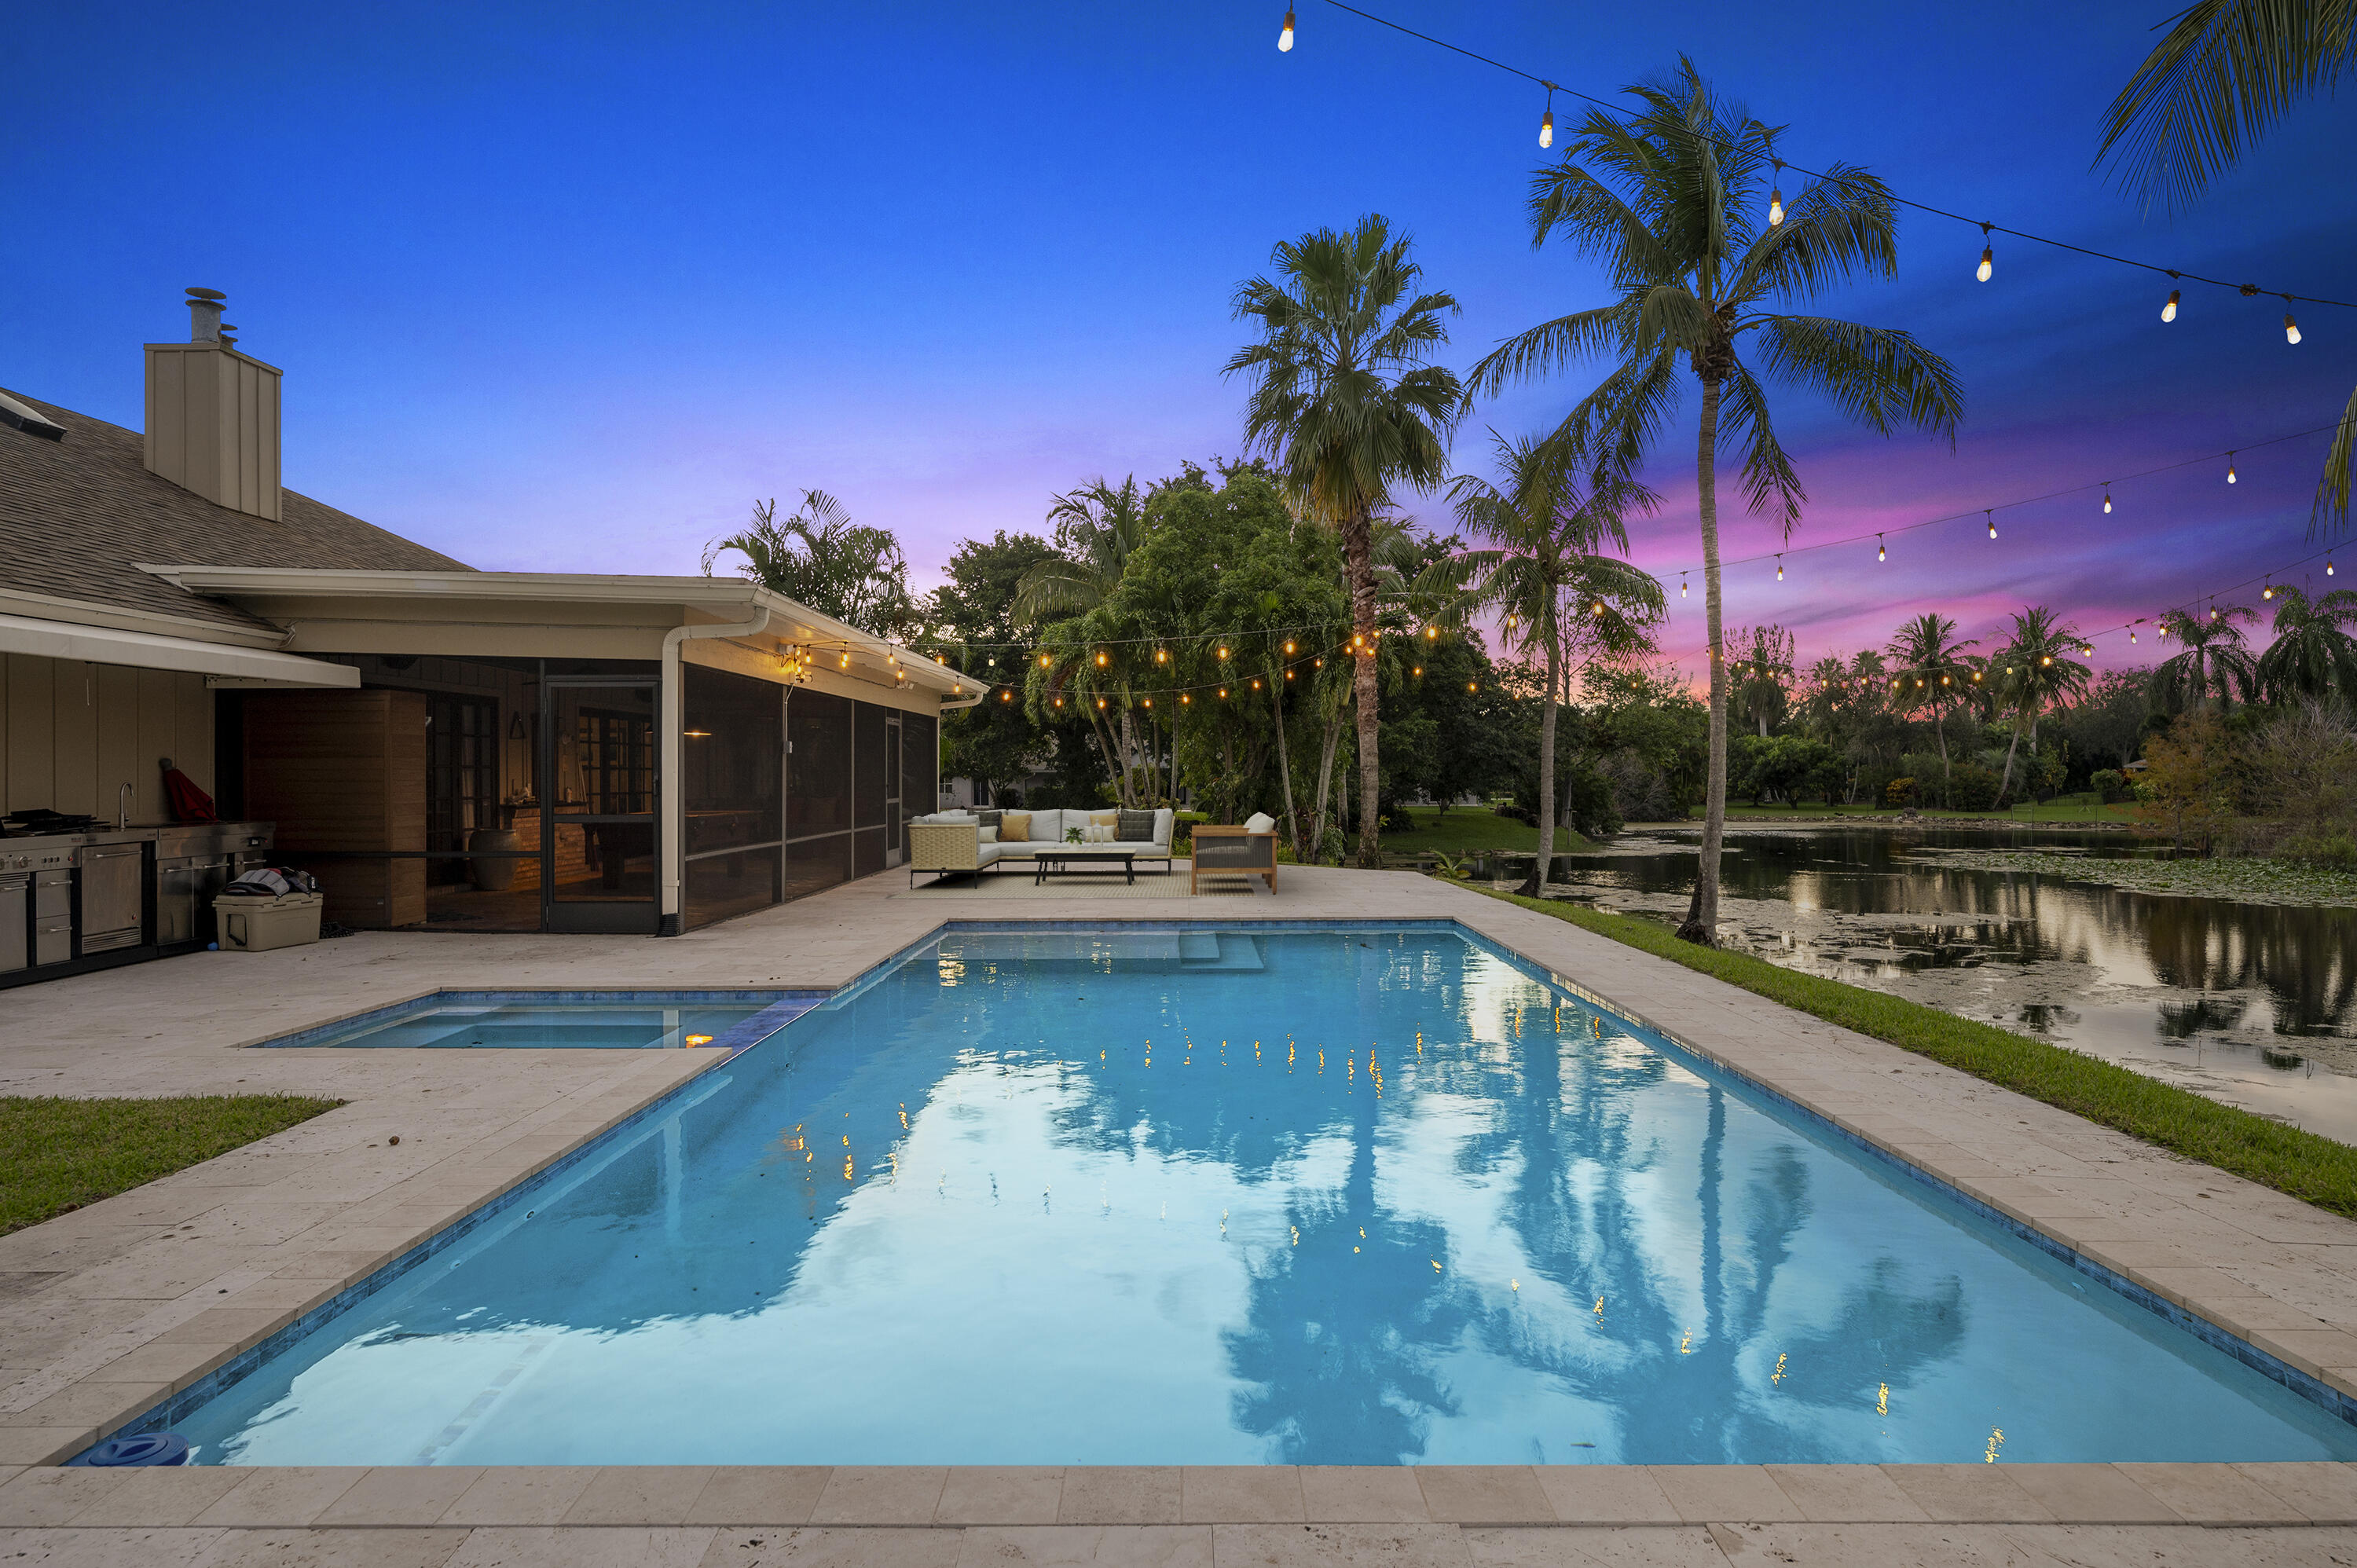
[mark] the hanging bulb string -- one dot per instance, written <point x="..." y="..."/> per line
<point x="1622" y="112"/>
<point x="2103" y="485"/>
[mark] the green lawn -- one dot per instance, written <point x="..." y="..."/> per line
<point x="61" y="1155"/>
<point x="2062" y="809"/>
<point x="1469" y="828"/>
<point x="2314" y="1169"/>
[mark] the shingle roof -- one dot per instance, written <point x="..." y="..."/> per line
<point x="76" y="514"/>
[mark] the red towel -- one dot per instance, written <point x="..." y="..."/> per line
<point x="189" y="804"/>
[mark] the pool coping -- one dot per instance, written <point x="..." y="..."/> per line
<point x="1945" y="1104"/>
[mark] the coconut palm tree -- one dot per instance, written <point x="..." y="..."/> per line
<point x="1348" y="404"/>
<point x="2219" y="80"/>
<point x="2215" y="663"/>
<point x="1669" y="199"/>
<point x="2312" y="653"/>
<point x="1930" y="671"/>
<point x="1763" y="671"/>
<point x="1549" y="525"/>
<point x="2038" y="673"/>
<point x="818" y="556"/>
<point x="1098" y="527"/>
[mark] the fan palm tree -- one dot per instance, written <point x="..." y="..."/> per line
<point x="1544" y="567"/>
<point x="1764" y="675"/>
<point x="1346" y="403"/>
<point x="2312" y="653"/>
<point x="1932" y="671"/>
<point x="2219" y="80"/>
<point x="817" y="557"/>
<point x="2038" y="673"/>
<point x="1670" y="201"/>
<point x="2215" y="663"/>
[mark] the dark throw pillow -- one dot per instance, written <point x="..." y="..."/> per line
<point x="1135" y="827"/>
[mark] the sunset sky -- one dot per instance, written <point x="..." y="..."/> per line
<point x="568" y="288"/>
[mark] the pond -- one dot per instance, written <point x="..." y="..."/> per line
<point x="2252" y="1003"/>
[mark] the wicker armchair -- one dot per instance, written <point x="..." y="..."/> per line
<point x="1232" y="852"/>
<point x="948" y="848"/>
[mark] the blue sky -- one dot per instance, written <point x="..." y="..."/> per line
<point x="566" y="288"/>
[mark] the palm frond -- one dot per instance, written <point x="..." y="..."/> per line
<point x="1875" y="375"/>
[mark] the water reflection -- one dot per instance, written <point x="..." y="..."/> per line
<point x="1373" y="1197"/>
<point x="2253" y="1003"/>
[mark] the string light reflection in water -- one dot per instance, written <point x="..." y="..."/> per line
<point x="1494" y="1226"/>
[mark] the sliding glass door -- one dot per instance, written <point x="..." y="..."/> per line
<point x="599" y="747"/>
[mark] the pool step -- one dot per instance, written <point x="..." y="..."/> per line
<point x="1218" y="951"/>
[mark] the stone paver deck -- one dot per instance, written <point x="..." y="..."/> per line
<point x="105" y="1311"/>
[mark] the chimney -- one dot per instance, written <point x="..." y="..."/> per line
<point x="212" y="414"/>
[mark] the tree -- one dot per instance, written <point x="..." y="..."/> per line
<point x="1929" y="668"/>
<point x="1764" y="675"/>
<point x="2215" y="661"/>
<point x="2220" y="77"/>
<point x="1347" y="405"/>
<point x="973" y="615"/>
<point x="1544" y="570"/>
<point x="820" y="558"/>
<point x="2038" y="673"/>
<point x="1669" y="201"/>
<point x="1098" y="527"/>
<point x="2312" y="653"/>
<point x="2186" y="790"/>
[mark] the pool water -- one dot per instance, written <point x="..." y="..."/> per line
<point x="611" y="1026"/>
<point x="1332" y="1196"/>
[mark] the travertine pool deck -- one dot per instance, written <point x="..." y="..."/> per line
<point x="105" y="1311"/>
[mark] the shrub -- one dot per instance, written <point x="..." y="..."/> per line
<point x="1009" y="798"/>
<point x="2109" y="784"/>
<point x="1393" y="817"/>
<point x="2337" y="851"/>
<point x="1899" y="792"/>
<point x="1972" y="787"/>
<point x="1514" y="812"/>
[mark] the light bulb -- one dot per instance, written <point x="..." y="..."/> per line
<point x="1681" y="584"/>
<point x="1285" y="39"/>
<point x="1162" y="656"/>
<point x="1988" y="254"/>
<point x="1100" y="661"/>
<point x="2107" y="500"/>
<point x="2268" y="592"/>
<point x="1775" y="208"/>
<point x="2230" y="467"/>
<point x="1043" y="661"/>
<point x="1471" y="687"/>
<point x="1288" y="645"/>
<point x="2213" y="612"/>
<point x="1005" y="696"/>
<point x="1223" y="653"/>
<point x="1546" y="129"/>
<point x="1992" y="523"/>
<point x="1223" y="693"/>
<point x="2291" y="329"/>
<point x="1779" y="568"/>
<point x="1879" y="554"/>
<point x="2168" y="311"/>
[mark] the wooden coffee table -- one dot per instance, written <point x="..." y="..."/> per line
<point x="1051" y="862"/>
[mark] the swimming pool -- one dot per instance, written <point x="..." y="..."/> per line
<point x="591" y="1020"/>
<point x="1330" y="1196"/>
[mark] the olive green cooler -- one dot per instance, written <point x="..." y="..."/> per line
<point x="258" y="925"/>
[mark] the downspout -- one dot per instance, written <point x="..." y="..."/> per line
<point x="935" y="804"/>
<point x="671" y="848"/>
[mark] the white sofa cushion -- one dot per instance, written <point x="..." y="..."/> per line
<point x="1163" y="818"/>
<point x="1260" y="822"/>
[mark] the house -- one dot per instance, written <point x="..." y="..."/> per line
<point x="444" y="748"/>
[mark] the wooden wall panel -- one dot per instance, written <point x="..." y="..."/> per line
<point x="76" y="754"/>
<point x="345" y="770"/>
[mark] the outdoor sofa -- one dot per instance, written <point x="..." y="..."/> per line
<point x="953" y="841"/>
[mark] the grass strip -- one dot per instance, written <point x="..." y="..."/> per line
<point x="57" y="1155"/>
<point x="2311" y="1168"/>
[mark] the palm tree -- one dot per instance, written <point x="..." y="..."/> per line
<point x="1346" y="403"/>
<point x="2311" y="654"/>
<point x="2216" y="661"/>
<point x="1098" y="528"/>
<point x="2038" y="673"/>
<point x="1763" y="665"/>
<point x="819" y="557"/>
<point x="1544" y="571"/>
<point x="2220" y="77"/>
<point x="1932" y="671"/>
<point x="1671" y="201"/>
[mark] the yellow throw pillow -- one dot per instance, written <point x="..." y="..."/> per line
<point x="1105" y="819"/>
<point x="1014" y="827"/>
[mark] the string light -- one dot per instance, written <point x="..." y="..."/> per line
<point x="2268" y="592"/>
<point x="1986" y="512"/>
<point x="1546" y="121"/>
<point x="1879" y="554"/>
<point x="1285" y="39"/>
<point x="2230" y="467"/>
<point x="2107" y="500"/>
<point x="1431" y="633"/>
<point x="1162" y="656"/>
<point x="1005" y="696"/>
<point x="1776" y="198"/>
<point x="1102" y="660"/>
<point x="1417" y="671"/>
<point x="1288" y="645"/>
<point x="2168" y="311"/>
<point x="1471" y="686"/>
<point x="1779" y="568"/>
<point x="1988" y="254"/>
<point x="1224" y="652"/>
<point x="1681" y="584"/>
<point x="2291" y="327"/>
<point x="1223" y="693"/>
<point x="1185" y="700"/>
<point x="1043" y="661"/>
